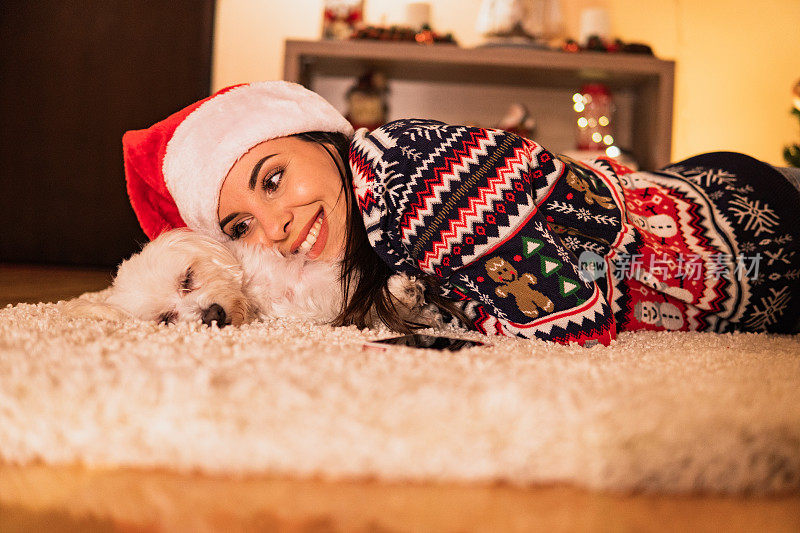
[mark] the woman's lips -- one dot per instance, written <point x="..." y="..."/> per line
<point x="298" y="246"/>
<point x="322" y="239"/>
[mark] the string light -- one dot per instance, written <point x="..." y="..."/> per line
<point x="593" y="105"/>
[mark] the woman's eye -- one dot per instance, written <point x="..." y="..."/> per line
<point x="239" y="229"/>
<point x="272" y="181"/>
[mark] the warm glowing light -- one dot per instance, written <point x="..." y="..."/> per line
<point x="603" y="121"/>
<point x="578" y="107"/>
<point x="597" y="137"/>
<point x="608" y="140"/>
<point x="582" y="122"/>
<point x="592" y="123"/>
<point x="577" y="98"/>
<point x="613" y="151"/>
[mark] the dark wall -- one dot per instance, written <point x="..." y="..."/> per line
<point x="74" y="75"/>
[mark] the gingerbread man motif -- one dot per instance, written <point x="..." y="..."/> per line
<point x="529" y="300"/>
<point x="574" y="181"/>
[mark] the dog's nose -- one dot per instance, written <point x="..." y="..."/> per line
<point x="214" y="313"/>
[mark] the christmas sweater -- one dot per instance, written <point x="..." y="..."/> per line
<point x="537" y="245"/>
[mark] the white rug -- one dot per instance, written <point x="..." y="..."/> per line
<point x="655" y="411"/>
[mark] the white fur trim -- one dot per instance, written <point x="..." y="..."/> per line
<point x="214" y="136"/>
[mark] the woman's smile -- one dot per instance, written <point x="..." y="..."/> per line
<point x="313" y="237"/>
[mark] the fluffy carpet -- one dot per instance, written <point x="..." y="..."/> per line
<point x="668" y="412"/>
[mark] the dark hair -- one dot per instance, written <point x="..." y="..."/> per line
<point x="364" y="274"/>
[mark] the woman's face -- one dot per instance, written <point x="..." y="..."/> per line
<point x="286" y="193"/>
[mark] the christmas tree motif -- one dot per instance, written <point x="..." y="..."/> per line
<point x="531" y="246"/>
<point x="567" y="286"/>
<point x="549" y="265"/>
<point x="771" y="308"/>
<point x="756" y="217"/>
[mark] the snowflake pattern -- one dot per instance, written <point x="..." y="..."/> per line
<point x="565" y="256"/>
<point x="747" y="247"/>
<point x="716" y="195"/>
<point x="571" y="242"/>
<point x="769" y="309"/>
<point x="756" y="217"/>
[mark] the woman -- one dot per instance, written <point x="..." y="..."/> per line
<point x="508" y="237"/>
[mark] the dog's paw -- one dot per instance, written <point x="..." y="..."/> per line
<point x="98" y="310"/>
<point x="407" y="290"/>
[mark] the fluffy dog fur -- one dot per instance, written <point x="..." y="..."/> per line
<point x="183" y="276"/>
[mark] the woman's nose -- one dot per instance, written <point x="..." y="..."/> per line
<point x="276" y="226"/>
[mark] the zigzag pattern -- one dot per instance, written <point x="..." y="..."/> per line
<point x="363" y="178"/>
<point x="404" y="190"/>
<point x="479" y="204"/>
<point x="713" y="295"/>
<point x="699" y="238"/>
<point x="456" y="162"/>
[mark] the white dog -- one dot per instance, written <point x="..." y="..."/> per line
<point x="182" y="276"/>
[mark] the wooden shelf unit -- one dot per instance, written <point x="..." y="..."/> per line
<point x="648" y="82"/>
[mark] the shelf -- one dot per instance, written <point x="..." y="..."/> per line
<point x="648" y="80"/>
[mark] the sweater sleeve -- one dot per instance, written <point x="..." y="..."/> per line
<point x="461" y="203"/>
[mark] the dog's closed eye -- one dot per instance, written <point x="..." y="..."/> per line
<point x="167" y="318"/>
<point x="187" y="281"/>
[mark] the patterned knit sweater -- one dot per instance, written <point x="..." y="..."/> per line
<point x="540" y="246"/>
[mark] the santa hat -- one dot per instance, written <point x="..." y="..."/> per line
<point x="175" y="169"/>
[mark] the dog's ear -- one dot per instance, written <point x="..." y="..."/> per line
<point x="82" y="308"/>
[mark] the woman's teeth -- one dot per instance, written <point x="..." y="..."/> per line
<point x="311" y="238"/>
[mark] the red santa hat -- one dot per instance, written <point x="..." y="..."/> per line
<point x="175" y="169"/>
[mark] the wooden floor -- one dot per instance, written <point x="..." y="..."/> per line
<point x="37" y="498"/>
<point x="31" y="284"/>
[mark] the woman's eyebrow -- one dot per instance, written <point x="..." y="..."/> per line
<point x="224" y="221"/>
<point x="256" y="169"/>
